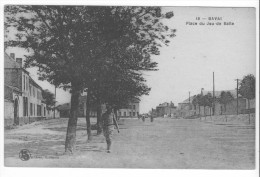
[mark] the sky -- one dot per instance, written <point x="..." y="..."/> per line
<point x="188" y="63"/>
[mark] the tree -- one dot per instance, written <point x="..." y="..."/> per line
<point x="247" y="89"/>
<point x="118" y="88"/>
<point x="118" y="74"/>
<point x="225" y="98"/>
<point x="195" y="102"/>
<point x="49" y="99"/>
<point x="200" y="101"/>
<point x="68" y="42"/>
<point x="208" y="101"/>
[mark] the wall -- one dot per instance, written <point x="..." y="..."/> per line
<point x="50" y="114"/>
<point x="8" y="113"/>
<point x="231" y="108"/>
<point x="131" y="111"/>
<point x="252" y="103"/>
<point x="13" y="77"/>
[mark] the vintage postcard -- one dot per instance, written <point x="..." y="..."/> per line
<point x="131" y="87"/>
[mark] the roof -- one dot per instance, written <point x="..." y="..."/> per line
<point x="217" y="94"/>
<point x="34" y="83"/>
<point x="10" y="63"/>
<point x="188" y="100"/>
<point x="65" y="106"/>
<point x="166" y="104"/>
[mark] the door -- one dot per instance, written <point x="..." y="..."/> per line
<point x="16" y="117"/>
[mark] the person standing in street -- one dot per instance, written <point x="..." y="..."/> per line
<point x="151" y="117"/>
<point x="108" y="123"/>
<point x="143" y="118"/>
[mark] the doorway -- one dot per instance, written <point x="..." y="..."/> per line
<point x="16" y="117"/>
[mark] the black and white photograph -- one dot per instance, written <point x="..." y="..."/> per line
<point x="130" y="87"/>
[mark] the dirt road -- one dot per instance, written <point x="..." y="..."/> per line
<point x="165" y="143"/>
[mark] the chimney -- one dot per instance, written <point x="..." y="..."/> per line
<point x="202" y="89"/>
<point x="12" y="55"/>
<point x="19" y="61"/>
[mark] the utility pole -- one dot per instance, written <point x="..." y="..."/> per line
<point x="213" y="104"/>
<point x="237" y="94"/>
<point x="54" y="102"/>
<point x="189" y="102"/>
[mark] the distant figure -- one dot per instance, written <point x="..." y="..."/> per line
<point x="108" y="123"/>
<point x="143" y="118"/>
<point x="151" y="118"/>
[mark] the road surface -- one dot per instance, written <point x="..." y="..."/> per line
<point x="165" y="143"/>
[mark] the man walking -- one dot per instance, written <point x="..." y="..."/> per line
<point x="151" y="117"/>
<point x="108" y="123"/>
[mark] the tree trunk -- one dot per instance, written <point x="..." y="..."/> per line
<point x="115" y="112"/>
<point x="88" y="117"/>
<point x="72" y="124"/>
<point x="249" y="109"/>
<point x="205" y="112"/>
<point x="211" y="111"/>
<point x="99" y="116"/>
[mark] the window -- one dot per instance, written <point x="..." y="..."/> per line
<point x="44" y="113"/>
<point x="137" y="113"/>
<point x="34" y="113"/>
<point x="133" y="113"/>
<point x="25" y="106"/>
<point x="133" y="106"/>
<point x="31" y="109"/>
<point x="23" y="82"/>
<point x="27" y="83"/>
<point x="125" y="114"/>
<point x="130" y="114"/>
<point x="38" y="94"/>
<point x="39" y="110"/>
<point x="33" y="91"/>
<point x="30" y="87"/>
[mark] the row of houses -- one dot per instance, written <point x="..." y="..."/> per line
<point x="131" y="111"/>
<point x="238" y="105"/>
<point x="164" y="109"/>
<point x="23" y="101"/>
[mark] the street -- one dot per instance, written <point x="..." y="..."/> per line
<point x="164" y="143"/>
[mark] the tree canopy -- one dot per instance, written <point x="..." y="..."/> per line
<point x="86" y="47"/>
<point x="225" y="98"/>
<point x="247" y="87"/>
<point x="49" y="98"/>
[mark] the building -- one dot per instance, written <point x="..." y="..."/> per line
<point x="186" y="108"/>
<point x="50" y="113"/>
<point x="131" y="111"/>
<point x="65" y="108"/>
<point x="164" y="109"/>
<point x="23" y="96"/>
